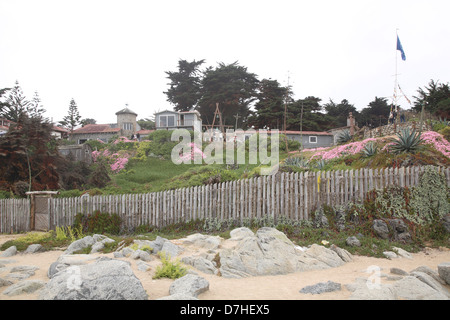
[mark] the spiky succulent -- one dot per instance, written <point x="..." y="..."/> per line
<point x="408" y="141"/>
<point x="370" y="149"/>
<point x="344" y="137"/>
<point x="296" y="161"/>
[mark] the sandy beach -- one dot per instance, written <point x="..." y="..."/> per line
<point x="280" y="287"/>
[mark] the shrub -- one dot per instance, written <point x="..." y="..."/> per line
<point x="99" y="222"/>
<point x="20" y="188"/>
<point x="430" y="199"/>
<point x="169" y="269"/>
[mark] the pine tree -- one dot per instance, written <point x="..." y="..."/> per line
<point x="73" y="117"/>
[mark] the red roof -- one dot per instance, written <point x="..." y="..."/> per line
<point x="310" y="133"/>
<point x="145" y="132"/>
<point x="59" y="129"/>
<point x="96" y="128"/>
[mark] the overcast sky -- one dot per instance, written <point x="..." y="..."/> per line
<point x="106" y="53"/>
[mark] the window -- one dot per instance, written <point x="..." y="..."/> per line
<point x="312" y="139"/>
<point x="166" y="121"/>
<point x="163" y="121"/>
<point x="170" y="121"/>
<point x="127" y="126"/>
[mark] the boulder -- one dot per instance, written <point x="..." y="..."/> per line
<point x="411" y="288"/>
<point x="430" y="272"/>
<point x="402" y="253"/>
<point x="5" y="282"/>
<point x="202" y="241"/>
<point x="201" y="263"/>
<point x="381" y="229"/>
<point x="353" y="242"/>
<point x="102" y="238"/>
<point x="390" y="255"/>
<point x="22" y="287"/>
<point x="240" y="233"/>
<point x="325" y="255"/>
<point x="400" y="230"/>
<point x="427" y="279"/>
<point x="444" y="271"/>
<point x="142" y="266"/>
<point x="342" y="253"/>
<point x="80" y="245"/>
<point x="171" y="249"/>
<point x="364" y="292"/>
<point x="11" y="251"/>
<point x="398" y="271"/>
<point x="322" y="287"/>
<point x="98" y="246"/>
<point x="33" y="248"/>
<point x="101" y="280"/>
<point x="189" y="284"/>
<point x="157" y="244"/>
<point x="270" y="252"/>
<point x="24" y="269"/>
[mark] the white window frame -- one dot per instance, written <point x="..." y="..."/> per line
<point x="127" y="126"/>
<point x="314" y="138"/>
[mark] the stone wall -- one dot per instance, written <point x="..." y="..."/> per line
<point x="393" y="129"/>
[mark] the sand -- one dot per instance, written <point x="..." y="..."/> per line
<point x="280" y="287"/>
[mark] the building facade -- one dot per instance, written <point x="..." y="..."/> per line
<point x="126" y="126"/>
<point x="171" y="120"/>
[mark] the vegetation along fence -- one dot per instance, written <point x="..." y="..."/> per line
<point x="291" y="195"/>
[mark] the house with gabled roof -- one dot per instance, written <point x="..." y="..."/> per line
<point x="171" y="120"/>
<point x="126" y="126"/>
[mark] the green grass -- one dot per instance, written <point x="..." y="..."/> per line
<point x="149" y="175"/>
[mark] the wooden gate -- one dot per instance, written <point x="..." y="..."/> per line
<point x="39" y="214"/>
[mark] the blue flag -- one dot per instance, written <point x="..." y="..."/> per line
<point x="399" y="47"/>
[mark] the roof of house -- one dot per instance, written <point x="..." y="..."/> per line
<point x="125" y="111"/>
<point x="96" y="128"/>
<point x="59" y="129"/>
<point x="307" y="133"/>
<point x="145" y="131"/>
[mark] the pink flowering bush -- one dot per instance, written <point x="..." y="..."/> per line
<point x="343" y="150"/>
<point x="191" y="156"/>
<point x="437" y="141"/>
<point x="116" y="161"/>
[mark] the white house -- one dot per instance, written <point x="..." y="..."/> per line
<point x="171" y="120"/>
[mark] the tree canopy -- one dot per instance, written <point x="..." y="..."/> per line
<point x="435" y="98"/>
<point x="185" y="85"/>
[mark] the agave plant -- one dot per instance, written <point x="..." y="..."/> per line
<point x="370" y="149"/>
<point x="408" y="141"/>
<point x="297" y="162"/>
<point x="344" y="137"/>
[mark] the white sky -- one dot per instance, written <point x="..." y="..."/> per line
<point x="106" y="53"/>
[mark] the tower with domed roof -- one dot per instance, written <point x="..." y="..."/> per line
<point x="126" y="121"/>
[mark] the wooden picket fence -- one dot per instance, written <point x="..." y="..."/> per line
<point x="14" y="215"/>
<point x="287" y="195"/>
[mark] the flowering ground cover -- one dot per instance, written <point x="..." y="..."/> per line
<point x="431" y="138"/>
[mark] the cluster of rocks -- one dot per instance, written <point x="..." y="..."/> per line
<point x="266" y="252"/>
<point x="247" y="253"/>
<point x="421" y="283"/>
<point x="392" y="229"/>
